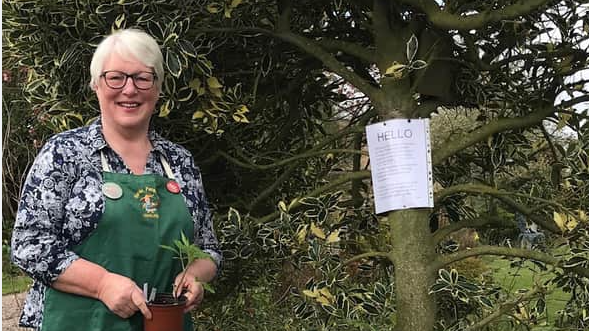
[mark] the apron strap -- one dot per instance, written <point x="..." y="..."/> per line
<point x="105" y="166"/>
<point x="167" y="168"/>
<point x="165" y="165"/>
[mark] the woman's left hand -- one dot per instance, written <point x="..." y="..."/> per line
<point x="191" y="288"/>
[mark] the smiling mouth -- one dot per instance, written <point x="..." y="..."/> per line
<point x="129" y="104"/>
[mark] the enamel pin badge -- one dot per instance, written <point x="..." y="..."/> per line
<point x="112" y="190"/>
<point x="173" y="187"/>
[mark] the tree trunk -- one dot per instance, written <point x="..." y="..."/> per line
<point x="413" y="253"/>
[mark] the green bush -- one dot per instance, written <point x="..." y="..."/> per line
<point x="471" y="268"/>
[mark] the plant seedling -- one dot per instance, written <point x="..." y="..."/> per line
<point x="187" y="253"/>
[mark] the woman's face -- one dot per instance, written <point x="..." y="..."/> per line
<point x="127" y="108"/>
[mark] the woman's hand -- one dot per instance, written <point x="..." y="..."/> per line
<point x="122" y="296"/>
<point x="189" y="284"/>
<point x="119" y="293"/>
<point x="186" y="284"/>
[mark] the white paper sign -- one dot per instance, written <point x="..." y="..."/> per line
<point x="400" y="162"/>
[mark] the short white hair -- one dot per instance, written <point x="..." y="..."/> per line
<point x="128" y="43"/>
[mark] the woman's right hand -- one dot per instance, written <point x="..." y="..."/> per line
<point x="121" y="295"/>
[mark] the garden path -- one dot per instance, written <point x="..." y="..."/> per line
<point x="11" y="308"/>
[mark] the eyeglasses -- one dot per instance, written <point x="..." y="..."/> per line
<point x="143" y="80"/>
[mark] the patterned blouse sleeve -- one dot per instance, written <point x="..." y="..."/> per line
<point x="204" y="235"/>
<point x="37" y="244"/>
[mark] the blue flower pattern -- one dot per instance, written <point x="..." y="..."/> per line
<point x="62" y="203"/>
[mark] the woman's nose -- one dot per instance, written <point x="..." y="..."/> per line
<point x="129" y="87"/>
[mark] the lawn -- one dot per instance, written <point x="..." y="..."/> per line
<point x="13" y="279"/>
<point x="524" y="277"/>
<point x="14" y="284"/>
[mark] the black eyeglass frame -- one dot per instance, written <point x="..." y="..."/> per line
<point x="127" y="76"/>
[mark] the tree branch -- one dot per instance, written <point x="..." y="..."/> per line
<point x="356" y="50"/>
<point x="503" y="196"/>
<point x="488" y="190"/>
<point x="544" y="224"/>
<point x="295" y="204"/>
<point x="450" y="21"/>
<point x="482" y="133"/>
<point x="573" y="101"/>
<point x="275" y="184"/>
<point x="550" y="143"/>
<point x="478" y="223"/>
<point x="444" y="260"/>
<point x="506" y="307"/>
<point x="368" y="255"/>
<point x="555" y="54"/>
<point x="312" y="48"/>
<point x="284" y="12"/>
<point x="284" y="162"/>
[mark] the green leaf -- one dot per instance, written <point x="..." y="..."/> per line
<point x="417" y="65"/>
<point x="119" y="21"/>
<point x="239" y="118"/>
<point x="195" y="84"/>
<point x="185" y="93"/>
<point x="486" y="302"/>
<point x="412" y="46"/>
<point x="453" y="276"/>
<point x="469" y="286"/>
<point x="540" y="305"/>
<point x="71" y="54"/>
<point x="169" y="85"/>
<point x="395" y="70"/>
<point x="227" y="12"/>
<point x="445" y="276"/>
<point x="186" y="48"/>
<point x="370" y="308"/>
<point x="155" y="29"/>
<point x="145" y="18"/>
<point x="462" y="296"/>
<point x="213" y="83"/>
<point x="198" y="115"/>
<point x="208" y="287"/>
<point x="214" y="8"/>
<point x="164" y="109"/>
<point x="104" y="9"/>
<point x="170" y="248"/>
<point x="173" y="63"/>
<point x="438" y="287"/>
<point x="170" y="39"/>
<point x="33" y="85"/>
<point x="563" y="120"/>
<point x="576" y="261"/>
<point x="233" y="216"/>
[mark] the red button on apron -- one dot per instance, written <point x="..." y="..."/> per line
<point x="173" y="187"/>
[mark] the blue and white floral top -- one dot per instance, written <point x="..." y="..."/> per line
<point x="62" y="202"/>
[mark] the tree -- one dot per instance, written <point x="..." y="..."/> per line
<point x="294" y="176"/>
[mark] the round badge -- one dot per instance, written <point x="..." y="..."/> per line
<point x="173" y="187"/>
<point x="112" y="190"/>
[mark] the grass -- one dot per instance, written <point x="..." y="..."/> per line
<point x="524" y="277"/>
<point x="14" y="284"/>
<point x="13" y="279"/>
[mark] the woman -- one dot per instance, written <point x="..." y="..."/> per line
<point x="100" y="200"/>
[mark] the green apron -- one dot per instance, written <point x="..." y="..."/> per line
<point x="127" y="242"/>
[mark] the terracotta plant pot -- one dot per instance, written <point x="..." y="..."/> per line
<point x="167" y="313"/>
